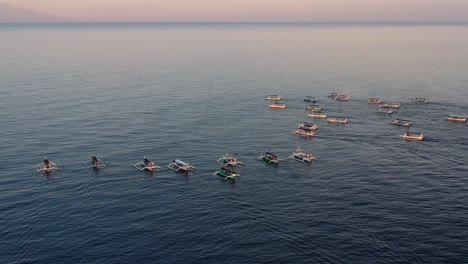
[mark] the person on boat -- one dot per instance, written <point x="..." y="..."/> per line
<point x="148" y="163"/>
<point x="95" y="161"/>
<point x="46" y="164"/>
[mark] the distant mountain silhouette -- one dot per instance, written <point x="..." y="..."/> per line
<point x="14" y="14"/>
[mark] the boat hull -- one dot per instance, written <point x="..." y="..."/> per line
<point x="226" y="176"/>
<point x="416" y="138"/>
<point x="452" y="119"/>
<point x="274" y="162"/>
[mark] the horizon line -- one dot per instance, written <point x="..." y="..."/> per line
<point x="242" y="22"/>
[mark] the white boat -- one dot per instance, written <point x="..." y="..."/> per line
<point x="146" y="165"/>
<point x="273" y="97"/>
<point x="226" y="159"/>
<point x="95" y="163"/>
<point x="302" y="132"/>
<point x="342" y="97"/>
<point x="421" y="100"/>
<point x="390" y="105"/>
<point x="302" y="156"/>
<point x="413" y="136"/>
<point x="385" y="111"/>
<point x="456" y="118"/>
<point x="317" y="115"/>
<point x="47" y="166"/>
<point x="277" y="105"/>
<point x="337" y="120"/>
<point x="401" y="122"/>
<point x="374" y="101"/>
<point x="178" y="165"/>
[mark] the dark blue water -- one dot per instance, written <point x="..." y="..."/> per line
<point x="124" y="92"/>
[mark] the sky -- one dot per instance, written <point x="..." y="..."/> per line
<point x="250" y="10"/>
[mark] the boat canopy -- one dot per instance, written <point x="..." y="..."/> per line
<point x="457" y="116"/>
<point x="270" y="154"/>
<point x="180" y="162"/>
<point x="403" y="120"/>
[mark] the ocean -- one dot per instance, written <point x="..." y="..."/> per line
<point x="195" y="91"/>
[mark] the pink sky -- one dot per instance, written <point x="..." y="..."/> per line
<point x="251" y="10"/>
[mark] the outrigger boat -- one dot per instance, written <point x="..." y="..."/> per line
<point x="229" y="160"/>
<point x="302" y="156"/>
<point x="309" y="99"/>
<point x="421" y="100"/>
<point x="385" y="111"/>
<point x="412" y="136"/>
<point x="47" y="166"/>
<point x="146" y="165"/>
<point x="277" y="105"/>
<point x="317" y="115"/>
<point x="302" y="132"/>
<point x="178" y="165"/>
<point x="401" y="122"/>
<point x="374" y="101"/>
<point x="273" y="97"/>
<point x="95" y="163"/>
<point x="390" y="105"/>
<point x="337" y="120"/>
<point x="227" y="173"/>
<point x="342" y="97"/>
<point x="308" y="126"/>
<point x="455" y="118"/>
<point x="314" y="108"/>
<point x="270" y="158"/>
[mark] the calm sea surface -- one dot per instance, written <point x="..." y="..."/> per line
<point x="122" y="92"/>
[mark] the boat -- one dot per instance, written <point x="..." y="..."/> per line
<point x="342" y="97"/>
<point x="385" y="111"/>
<point x="456" y="118"/>
<point x="412" y="136"/>
<point x="227" y="173"/>
<point x="374" y="101"/>
<point x="314" y="108"/>
<point x="302" y="156"/>
<point x="421" y="100"/>
<point x="277" y="105"/>
<point x="146" y="165"/>
<point x="273" y="97"/>
<point x="95" y="163"/>
<point x="309" y="99"/>
<point x="317" y="115"/>
<point x="337" y="120"/>
<point x="390" y="105"/>
<point x="47" y="166"/>
<point x="226" y="159"/>
<point x="270" y="158"/>
<point x="302" y="132"/>
<point x="333" y="95"/>
<point x="178" y="165"/>
<point x="308" y="126"/>
<point x="401" y="122"/>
